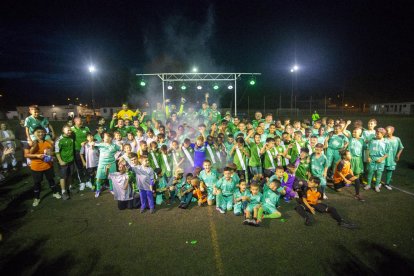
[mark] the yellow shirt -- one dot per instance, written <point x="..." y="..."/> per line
<point x="126" y="115"/>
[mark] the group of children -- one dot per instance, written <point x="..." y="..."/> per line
<point x="237" y="165"/>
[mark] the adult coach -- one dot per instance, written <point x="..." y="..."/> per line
<point x="126" y="113"/>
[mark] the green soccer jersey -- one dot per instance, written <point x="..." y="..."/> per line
<point x="318" y="164"/>
<point x="154" y="159"/>
<point x="295" y="150"/>
<point x="166" y="164"/>
<point x="303" y="169"/>
<point x="395" y="146"/>
<point x="256" y="199"/>
<point x="281" y="161"/>
<point x="356" y="147"/>
<point x="65" y="147"/>
<point x="269" y="159"/>
<point x="378" y="148"/>
<point x="79" y="134"/>
<point x="215" y="116"/>
<point x="368" y="135"/>
<point x="255" y="160"/>
<point x="31" y="123"/>
<point x="240" y="158"/>
<point x="238" y="194"/>
<point x="271" y="197"/>
<point x="337" y="142"/>
<point x="209" y="179"/>
<point x="227" y="187"/>
<point x="107" y="153"/>
<point x="158" y="115"/>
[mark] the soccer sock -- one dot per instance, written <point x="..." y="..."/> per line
<point x="260" y="214"/>
<point x="378" y="180"/>
<point x="369" y="177"/>
<point x="98" y="184"/>
<point x="357" y="184"/>
<point x="388" y="177"/>
<point x="273" y="215"/>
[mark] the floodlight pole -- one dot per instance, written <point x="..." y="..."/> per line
<point x="235" y="95"/>
<point x="163" y="91"/>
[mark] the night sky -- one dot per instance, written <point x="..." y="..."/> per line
<point x="354" y="47"/>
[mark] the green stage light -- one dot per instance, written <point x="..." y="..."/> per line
<point x="252" y="82"/>
<point x="142" y="83"/>
<point x="215" y="87"/>
<point x="183" y="87"/>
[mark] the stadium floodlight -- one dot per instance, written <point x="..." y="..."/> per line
<point x="195" y="69"/>
<point x="294" y="68"/>
<point x="199" y="87"/>
<point x="183" y="87"/>
<point x="142" y="83"/>
<point x="92" y="69"/>
<point x="169" y="87"/>
<point x="252" y="81"/>
<point x="215" y="87"/>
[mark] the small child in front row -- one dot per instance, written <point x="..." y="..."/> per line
<point x="270" y="202"/>
<point x="253" y="207"/>
<point x="200" y="191"/>
<point x="121" y="187"/>
<point x="90" y="159"/>
<point x="241" y="199"/>
<point x="309" y="201"/>
<point x="145" y="183"/>
<point x="161" y="189"/>
<point x="186" y="192"/>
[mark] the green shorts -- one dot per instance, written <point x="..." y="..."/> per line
<point x="269" y="209"/>
<point x="226" y="202"/>
<point x="250" y="207"/>
<point x="104" y="170"/>
<point x="374" y="166"/>
<point x="357" y="166"/>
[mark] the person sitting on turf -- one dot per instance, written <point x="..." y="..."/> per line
<point x="309" y="201"/>
<point x="343" y="175"/>
<point x="241" y="198"/>
<point x="253" y="207"/>
<point x="270" y="201"/>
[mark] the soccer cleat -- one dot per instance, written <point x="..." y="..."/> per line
<point x="367" y="187"/>
<point x="347" y="225"/>
<point x="324" y="196"/>
<point x="97" y="193"/>
<point x="82" y="186"/>
<point x="308" y="222"/>
<point x="57" y="196"/>
<point x="112" y="192"/>
<point x="36" y="202"/>
<point x="89" y="185"/>
<point x="221" y="211"/>
<point x="377" y="189"/>
<point x="252" y="222"/>
<point x="152" y="211"/>
<point x="246" y="222"/>
<point x="142" y="211"/>
<point x="358" y="197"/>
<point x="65" y="196"/>
<point x="388" y="187"/>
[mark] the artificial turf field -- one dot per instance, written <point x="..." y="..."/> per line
<point x="85" y="235"/>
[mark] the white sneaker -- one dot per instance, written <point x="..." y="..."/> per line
<point x="36" y="202"/>
<point x="24" y="165"/>
<point x="367" y="187"/>
<point x="388" y="187"/>
<point x="82" y="187"/>
<point x="324" y="196"/>
<point x="89" y="185"/>
<point x="57" y="196"/>
<point x="377" y="189"/>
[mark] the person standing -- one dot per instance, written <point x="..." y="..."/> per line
<point x="41" y="164"/>
<point x="7" y="139"/>
<point x="79" y="132"/>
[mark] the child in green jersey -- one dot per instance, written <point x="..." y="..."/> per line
<point x="378" y="150"/>
<point x="270" y="202"/>
<point x="394" y="153"/>
<point x="253" y="206"/>
<point x="241" y="198"/>
<point x="224" y="192"/>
